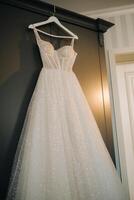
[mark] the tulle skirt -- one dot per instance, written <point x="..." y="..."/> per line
<point x="61" y="154"/>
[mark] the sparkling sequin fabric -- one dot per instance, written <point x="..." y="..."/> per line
<point x="61" y="154"/>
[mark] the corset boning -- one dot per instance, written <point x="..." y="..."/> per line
<point x="62" y="58"/>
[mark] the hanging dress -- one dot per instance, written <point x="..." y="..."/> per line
<point x="61" y="154"/>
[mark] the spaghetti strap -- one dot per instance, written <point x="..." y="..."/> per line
<point x="72" y="42"/>
<point x="36" y="34"/>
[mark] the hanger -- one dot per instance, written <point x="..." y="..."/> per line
<point x="55" y="20"/>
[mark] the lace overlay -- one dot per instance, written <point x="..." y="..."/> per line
<point x="61" y="154"/>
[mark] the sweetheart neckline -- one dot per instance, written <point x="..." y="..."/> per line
<point x="58" y="48"/>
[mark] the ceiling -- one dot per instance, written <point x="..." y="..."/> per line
<point x="88" y="5"/>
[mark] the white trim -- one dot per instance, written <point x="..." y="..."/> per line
<point x="123" y="78"/>
<point x="109" y="12"/>
<point x="129" y="27"/>
<point x="117" y="116"/>
<point x="123" y="50"/>
<point x="118" y="30"/>
<point x="116" y="149"/>
<point x="125" y="150"/>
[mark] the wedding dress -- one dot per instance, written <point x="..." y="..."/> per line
<point x="61" y="154"/>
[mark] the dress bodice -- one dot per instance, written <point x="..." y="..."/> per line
<point x="62" y="58"/>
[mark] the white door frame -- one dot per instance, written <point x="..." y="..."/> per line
<point x="125" y="158"/>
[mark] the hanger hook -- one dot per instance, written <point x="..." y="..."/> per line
<point x="54" y="10"/>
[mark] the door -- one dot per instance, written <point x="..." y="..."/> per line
<point x="121" y="73"/>
<point x="125" y="82"/>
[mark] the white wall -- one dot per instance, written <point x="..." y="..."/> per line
<point x="119" y="38"/>
<point x="122" y="34"/>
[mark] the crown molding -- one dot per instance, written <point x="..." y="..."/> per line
<point x="109" y="12"/>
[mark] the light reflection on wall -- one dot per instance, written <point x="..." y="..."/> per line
<point x="99" y="102"/>
<point x="97" y="97"/>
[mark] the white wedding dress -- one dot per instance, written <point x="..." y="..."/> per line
<point x="61" y="154"/>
